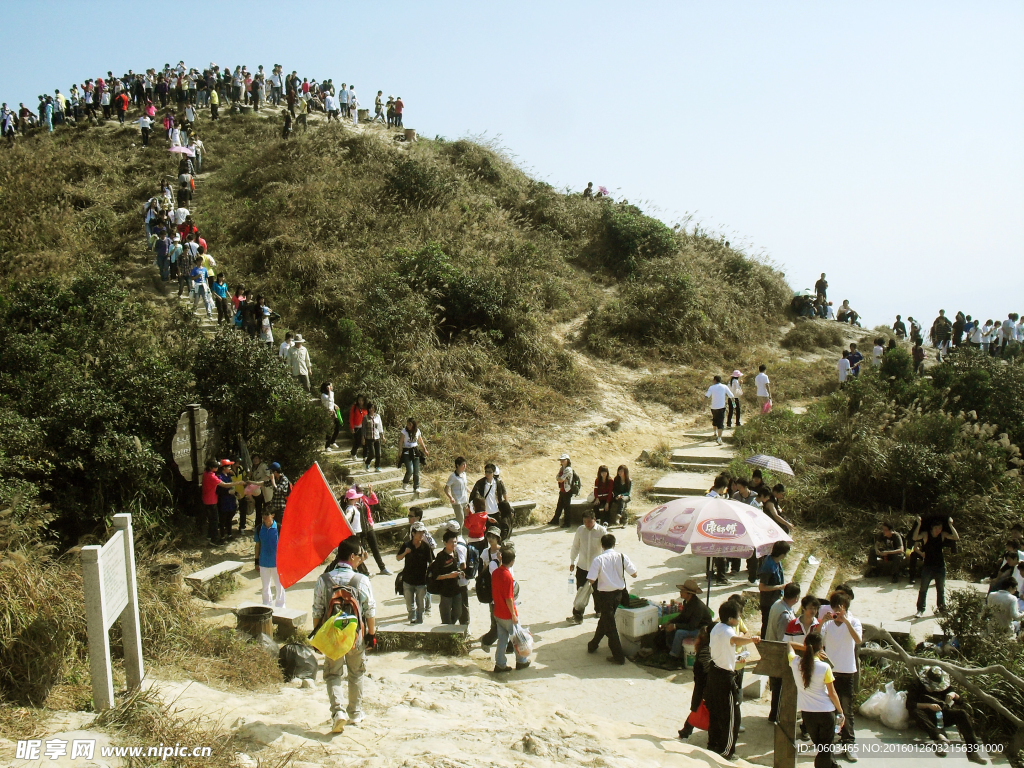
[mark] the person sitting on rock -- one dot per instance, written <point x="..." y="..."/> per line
<point x="886" y="557"/>
<point x="932" y="692"/>
<point x="588" y="193"/>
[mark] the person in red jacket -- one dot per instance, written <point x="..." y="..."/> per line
<point x="355" y="423"/>
<point x="476" y="526"/>
<point x="604" y="492"/>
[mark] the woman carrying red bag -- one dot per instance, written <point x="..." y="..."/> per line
<point x="698" y="717"/>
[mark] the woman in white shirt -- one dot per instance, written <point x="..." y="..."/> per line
<point x="327" y="398"/>
<point x="817" y="700"/>
<point x="877" y="351"/>
<point x="373" y="435"/>
<point x="986" y="336"/>
<point x="412" y="444"/>
<point x="737" y="389"/>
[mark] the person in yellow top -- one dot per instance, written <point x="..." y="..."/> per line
<point x="302" y="107"/>
<point x="214" y="104"/>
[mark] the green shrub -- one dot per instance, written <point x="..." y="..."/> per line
<point x="810" y="335"/>
<point x="631" y="237"/>
<point x="418" y="183"/>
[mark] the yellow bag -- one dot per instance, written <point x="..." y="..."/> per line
<point x="336" y="636"/>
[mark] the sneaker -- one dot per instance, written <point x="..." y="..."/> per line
<point x="338" y="723"/>
<point x="741" y="729"/>
<point x="385" y="572"/>
<point x="405" y="487"/>
<point x="376" y="470"/>
<point x="674" y="663"/>
<point x="522" y="664"/>
<point x="357" y="718"/>
<point x="722" y="581"/>
<point x="919" y="615"/>
<point x="415" y="493"/>
<point x="499" y="670"/>
<point x="718" y="440"/>
<point x="366" y="468"/>
<point x="621" y="662"/>
<point x="976" y="758"/>
<point x="591" y="648"/>
<point x="848" y="754"/>
<point x="577" y="619"/>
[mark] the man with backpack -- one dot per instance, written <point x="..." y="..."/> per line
<point x="941" y="334"/>
<point x="343" y="590"/>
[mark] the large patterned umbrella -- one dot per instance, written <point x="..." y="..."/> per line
<point x="771" y="463"/>
<point x="712" y="527"/>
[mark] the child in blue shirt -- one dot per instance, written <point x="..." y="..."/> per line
<point x="266" y="559"/>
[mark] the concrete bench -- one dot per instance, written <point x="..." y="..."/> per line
<point x="209" y="574"/>
<point x="283" y="617"/>
<point x="420" y="629"/>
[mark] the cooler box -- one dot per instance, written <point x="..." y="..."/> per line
<point x="637" y="622"/>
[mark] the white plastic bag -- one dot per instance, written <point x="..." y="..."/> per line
<point x="894" y="713"/>
<point x="579" y="603"/>
<point x="522" y="640"/>
<point x="873" y="706"/>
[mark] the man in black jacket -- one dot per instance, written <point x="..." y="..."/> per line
<point x="490" y="489"/>
<point x="931" y="693"/>
<point x="687" y="624"/>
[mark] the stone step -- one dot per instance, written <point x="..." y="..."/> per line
<point x="710" y="454"/>
<point x="678" y="484"/>
<point x="707" y="436"/>
<point x="823" y="581"/>
<point x="694" y="467"/>
<point x="810" y="571"/>
<point x="793" y="563"/>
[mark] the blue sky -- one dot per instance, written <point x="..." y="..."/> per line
<point x="881" y="143"/>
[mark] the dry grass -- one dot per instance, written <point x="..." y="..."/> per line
<point x="143" y="719"/>
<point x="810" y="335"/>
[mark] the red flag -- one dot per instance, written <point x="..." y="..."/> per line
<point x="313" y="526"/>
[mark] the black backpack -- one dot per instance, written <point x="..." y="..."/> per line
<point x="576" y="484"/>
<point x="483" y="583"/>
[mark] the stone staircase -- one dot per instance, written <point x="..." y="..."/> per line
<point x="388" y="480"/>
<point x="695" y="465"/>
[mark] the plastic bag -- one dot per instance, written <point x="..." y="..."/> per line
<point x="767" y="406"/>
<point x="895" y="714"/>
<point x="701" y="718"/>
<point x="297" y="660"/>
<point x="522" y="640"/>
<point x="266" y="642"/>
<point x="873" y="706"/>
<point x="336" y="636"/>
<point x="579" y="603"/>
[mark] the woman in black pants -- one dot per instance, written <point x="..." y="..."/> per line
<point x="564" y="479"/>
<point x="372" y="433"/>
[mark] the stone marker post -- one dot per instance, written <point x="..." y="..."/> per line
<point x="111" y="593"/>
<point x="774" y="662"/>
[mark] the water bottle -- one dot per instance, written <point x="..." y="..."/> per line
<point x="938" y="719"/>
<point x="570" y="585"/>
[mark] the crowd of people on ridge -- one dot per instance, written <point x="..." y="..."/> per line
<point x="181" y="92"/>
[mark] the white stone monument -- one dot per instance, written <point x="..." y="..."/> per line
<point x="108" y="576"/>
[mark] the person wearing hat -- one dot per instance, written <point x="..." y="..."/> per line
<point x="564" y="480"/>
<point x="586" y="545"/>
<point x="687" y="624"/>
<point x="734" y="402"/>
<point x="930" y="692"/>
<point x="280" y="488"/>
<point x="212" y="483"/>
<point x="418" y="556"/>
<point x="298" y="359"/>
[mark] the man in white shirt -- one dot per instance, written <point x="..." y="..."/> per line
<point x="1005" y="611"/>
<point x="457" y="491"/>
<point x="840" y="636"/>
<point x="331" y="106"/>
<point x="764" y="388"/>
<point x="298" y="359"/>
<point x="844" y="369"/>
<point x="721" y="692"/>
<point x="586" y="545"/>
<point x="607" y="575"/>
<point x="720" y="395"/>
<point x="285" y="347"/>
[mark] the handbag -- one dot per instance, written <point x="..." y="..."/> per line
<point x="701" y="718"/>
<point x="400" y="583"/>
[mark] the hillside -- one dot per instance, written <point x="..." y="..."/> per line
<point x="429" y="275"/>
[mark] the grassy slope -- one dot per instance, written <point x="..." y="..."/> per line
<point x="428" y="275"/>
